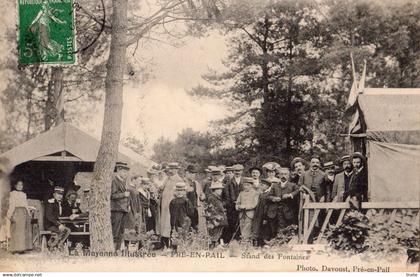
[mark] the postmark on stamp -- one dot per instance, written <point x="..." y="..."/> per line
<point x="46" y="32"/>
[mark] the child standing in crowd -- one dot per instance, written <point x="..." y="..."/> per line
<point x="180" y="208"/>
<point x="261" y="226"/>
<point x="215" y="213"/>
<point x="246" y="203"/>
<point x="148" y="214"/>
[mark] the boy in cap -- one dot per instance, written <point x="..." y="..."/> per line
<point x="245" y="204"/>
<point x="181" y="210"/>
<point x="54" y="210"/>
<point x="149" y="206"/>
<point x="262" y="224"/>
<point x="215" y="213"/>
<point x="134" y="214"/>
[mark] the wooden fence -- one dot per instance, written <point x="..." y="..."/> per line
<point x="311" y="215"/>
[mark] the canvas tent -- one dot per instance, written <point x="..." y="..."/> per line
<point x="58" y="154"/>
<point x="391" y="120"/>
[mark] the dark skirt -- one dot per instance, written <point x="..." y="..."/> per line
<point x="20" y="230"/>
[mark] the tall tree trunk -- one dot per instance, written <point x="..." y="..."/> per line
<point x="29" y="111"/>
<point x="99" y="204"/>
<point x="58" y="95"/>
<point x="54" y="111"/>
<point x="288" y="131"/>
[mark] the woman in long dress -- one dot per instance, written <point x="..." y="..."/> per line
<point x="20" y="231"/>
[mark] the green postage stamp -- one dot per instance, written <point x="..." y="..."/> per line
<point x="46" y="32"/>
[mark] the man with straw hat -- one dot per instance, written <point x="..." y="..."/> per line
<point x="167" y="195"/>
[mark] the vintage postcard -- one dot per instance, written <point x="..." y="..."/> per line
<point x="210" y="135"/>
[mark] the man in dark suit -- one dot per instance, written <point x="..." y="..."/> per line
<point x="342" y="180"/>
<point x="283" y="194"/>
<point x="314" y="179"/>
<point x="53" y="210"/>
<point x="358" y="187"/>
<point x="230" y="194"/>
<point x="119" y="203"/>
<point x="192" y="193"/>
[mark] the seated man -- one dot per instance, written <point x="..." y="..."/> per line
<point x="53" y="210"/>
<point x="71" y="209"/>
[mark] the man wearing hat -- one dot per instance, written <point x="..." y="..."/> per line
<point x="329" y="169"/>
<point x="228" y="174"/>
<point x="230" y="194"/>
<point x="70" y="205"/>
<point x="216" y="175"/>
<point x="54" y="210"/>
<point x="153" y="175"/>
<point x="255" y="175"/>
<point x="297" y="167"/>
<point x="358" y="186"/>
<point x="167" y="195"/>
<point x="192" y="188"/>
<point x="119" y="203"/>
<point x="342" y="180"/>
<point x="71" y="209"/>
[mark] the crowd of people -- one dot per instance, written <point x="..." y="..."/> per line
<point x="228" y="204"/>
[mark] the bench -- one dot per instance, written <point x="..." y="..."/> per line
<point x="44" y="234"/>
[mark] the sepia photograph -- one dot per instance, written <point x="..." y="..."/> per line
<point x="210" y="136"/>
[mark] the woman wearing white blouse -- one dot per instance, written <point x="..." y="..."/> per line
<point x="20" y="233"/>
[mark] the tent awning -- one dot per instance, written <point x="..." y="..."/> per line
<point x="392" y="121"/>
<point x="68" y="138"/>
<point x="391" y="112"/>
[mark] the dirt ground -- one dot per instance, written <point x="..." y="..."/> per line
<point x="218" y="260"/>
